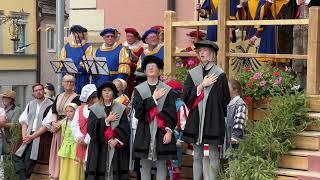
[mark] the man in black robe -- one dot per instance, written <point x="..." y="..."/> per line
<point x="154" y="106"/>
<point x="109" y="129"/>
<point x="207" y="96"/>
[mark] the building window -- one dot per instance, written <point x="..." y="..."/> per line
<point x="19" y="46"/>
<point x="51" y="39"/>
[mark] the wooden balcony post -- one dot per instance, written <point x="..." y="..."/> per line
<point x="313" y="62"/>
<point x="169" y="43"/>
<point x="223" y="34"/>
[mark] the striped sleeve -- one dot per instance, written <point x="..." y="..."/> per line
<point x="240" y="121"/>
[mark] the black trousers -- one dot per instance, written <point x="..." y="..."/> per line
<point x="24" y="165"/>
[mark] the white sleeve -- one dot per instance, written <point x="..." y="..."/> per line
<point x="87" y="139"/>
<point x="155" y="101"/>
<point x="134" y="120"/>
<point x="270" y="1"/>
<point x="198" y="92"/>
<point x="24" y="116"/>
<point x="47" y="120"/>
<point x="75" y="127"/>
<point x="183" y="118"/>
<point x="306" y="2"/>
<point x="2" y="112"/>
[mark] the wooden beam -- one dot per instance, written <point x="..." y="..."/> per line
<point x="255" y="55"/>
<point x="268" y="22"/>
<point x="223" y="35"/>
<point x="169" y="43"/>
<point x="193" y="24"/>
<point x="185" y="54"/>
<point x="313" y="63"/>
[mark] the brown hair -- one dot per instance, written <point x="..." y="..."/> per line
<point x="235" y="85"/>
<point x="38" y="84"/>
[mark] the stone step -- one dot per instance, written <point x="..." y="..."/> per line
<point x="291" y="174"/>
<point x="314" y="103"/>
<point x="301" y="160"/>
<point x="286" y="178"/>
<point x="313" y="116"/>
<point x="308" y="140"/>
<point x="40" y="172"/>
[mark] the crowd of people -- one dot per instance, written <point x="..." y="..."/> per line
<point x="103" y="134"/>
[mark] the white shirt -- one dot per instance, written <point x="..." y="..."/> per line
<point x="2" y="112"/>
<point x="47" y="120"/>
<point x="75" y="127"/>
<point x="24" y="116"/>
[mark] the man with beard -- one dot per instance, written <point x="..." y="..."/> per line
<point x="33" y="133"/>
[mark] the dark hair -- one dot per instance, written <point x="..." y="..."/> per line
<point x="38" y="84"/>
<point x="235" y="85"/>
<point x="92" y="96"/>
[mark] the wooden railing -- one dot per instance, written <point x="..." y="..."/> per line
<point x="223" y="25"/>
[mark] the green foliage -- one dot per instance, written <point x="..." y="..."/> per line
<point x="181" y="74"/>
<point x="9" y="172"/>
<point x="266" y="82"/>
<point x="259" y="152"/>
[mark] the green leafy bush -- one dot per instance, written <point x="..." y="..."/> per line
<point x="9" y="172"/>
<point x="258" y="155"/>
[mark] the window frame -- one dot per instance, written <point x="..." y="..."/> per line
<point x="23" y="22"/>
<point x="51" y="49"/>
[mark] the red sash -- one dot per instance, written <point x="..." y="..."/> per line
<point x="153" y="112"/>
<point x="81" y="148"/>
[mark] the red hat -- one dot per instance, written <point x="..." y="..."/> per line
<point x="133" y="31"/>
<point x="175" y="85"/>
<point x="201" y="36"/>
<point x="157" y="28"/>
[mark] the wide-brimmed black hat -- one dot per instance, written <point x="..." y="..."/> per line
<point x="108" y="85"/>
<point x="206" y="43"/>
<point x="152" y="59"/>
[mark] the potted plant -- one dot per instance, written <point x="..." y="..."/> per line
<point x="262" y="84"/>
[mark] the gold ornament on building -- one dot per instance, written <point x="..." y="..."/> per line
<point x="15" y="29"/>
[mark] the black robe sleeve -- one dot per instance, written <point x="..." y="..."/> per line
<point x="225" y="93"/>
<point x="190" y="92"/>
<point x="95" y="128"/>
<point x="54" y="106"/>
<point x="122" y="131"/>
<point x="169" y="111"/>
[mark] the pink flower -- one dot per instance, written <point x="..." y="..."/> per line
<point x="257" y="75"/>
<point x="277" y="82"/>
<point x="177" y="64"/>
<point x="191" y="62"/>
<point x="263" y="83"/>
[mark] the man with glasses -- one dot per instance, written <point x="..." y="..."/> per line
<point x="33" y="130"/>
<point x="110" y="49"/>
<point x="153" y="47"/>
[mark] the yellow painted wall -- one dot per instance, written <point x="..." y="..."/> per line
<point x="18" y="63"/>
<point x="28" y="6"/>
